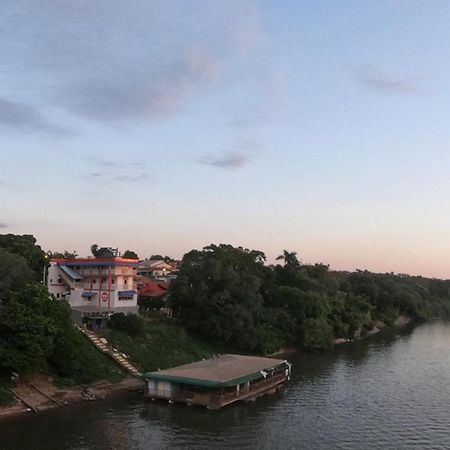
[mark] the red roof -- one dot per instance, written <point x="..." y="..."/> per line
<point x="153" y="289"/>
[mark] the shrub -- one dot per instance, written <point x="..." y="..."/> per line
<point x="130" y="324"/>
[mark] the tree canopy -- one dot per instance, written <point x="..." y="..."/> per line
<point x="130" y="254"/>
<point x="65" y="254"/>
<point x="227" y="295"/>
<point x="160" y="258"/>
<point x="26" y="247"/>
<point x="104" y="252"/>
<point x="217" y="294"/>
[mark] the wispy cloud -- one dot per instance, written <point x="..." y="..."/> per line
<point x="125" y="63"/>
<point x="110" y="163"/>
<point x="138" y="178"/>
<point x="22" y="117"/>
<point x="374" y="79"/>
<point x="111" y="177"/>
<point x="227" y="160"/>
<point x="155" y="91"/>
<point x="3" y="225"/>
<point x="114" y="171"/>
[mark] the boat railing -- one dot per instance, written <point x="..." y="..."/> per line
<point x="254" y="387"/>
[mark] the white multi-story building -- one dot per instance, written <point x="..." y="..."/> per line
<point x="95" y="288"/>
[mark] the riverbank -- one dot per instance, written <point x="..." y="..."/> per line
<point x="40" y="393"/>
<point x="401" y="321"/>
<point x="161" y="345"/>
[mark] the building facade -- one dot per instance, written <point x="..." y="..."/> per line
<point x="95" y="288"/>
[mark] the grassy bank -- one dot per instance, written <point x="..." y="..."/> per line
<point x="160" y="344"/>
<point x="90" y="366"/>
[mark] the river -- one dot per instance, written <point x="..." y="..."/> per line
<point x="389" y="392"/>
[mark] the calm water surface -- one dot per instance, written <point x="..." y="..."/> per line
<point x="390" y="392"/>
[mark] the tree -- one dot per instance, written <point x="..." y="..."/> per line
<point x="290" y="259"/>
<point x="62" y="255"/>
<point x="26" y="330"/>
<point x="130" y="254"/>
<point x="156" y="258"/>
<point x="217" y="295"/>
<point x="166" y="258"/>
<point x="14" y="272"/>
<point x="104" y="252"/>
<point x="26" y="247"/>
<point x="317" y="334"/>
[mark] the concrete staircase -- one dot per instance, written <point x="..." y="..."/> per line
<point x="104" y="347"/>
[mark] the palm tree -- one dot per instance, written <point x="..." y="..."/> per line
<point x="290" y="259"/>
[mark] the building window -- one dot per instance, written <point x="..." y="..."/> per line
<point x="112" y="281"/>
<point x="59" y="280"/>
<point x="57" y="295"/>
<point x="51" y="281"/>
<point x="125" y="281"/>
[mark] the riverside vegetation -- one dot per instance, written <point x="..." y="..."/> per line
<point x="36" y="332"/>
<point x="224" y="299"/>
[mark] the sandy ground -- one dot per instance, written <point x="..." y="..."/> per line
<point x="39" y="393"/>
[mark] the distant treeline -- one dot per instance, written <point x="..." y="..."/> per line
<point x="230" y="297"/>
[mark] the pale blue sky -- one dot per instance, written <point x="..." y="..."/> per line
<point x="316" y="126"/>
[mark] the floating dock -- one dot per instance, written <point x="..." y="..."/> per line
<point x="218" y="381"/>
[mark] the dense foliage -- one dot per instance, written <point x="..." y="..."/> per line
<point x="110" y="252"/>
<point x="104" y="252"/>
<point x="25" y="246"/>
<point x="228" y="295"/>
<point x="36" y="331"/>
<point x="63" y="255"/>
<point x="130" y="254"/>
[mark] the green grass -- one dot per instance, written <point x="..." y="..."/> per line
<point x="163" y="344"/>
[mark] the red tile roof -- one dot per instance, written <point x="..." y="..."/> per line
<point x="153" y="289"/>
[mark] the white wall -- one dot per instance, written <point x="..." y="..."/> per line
<point x="58" y="285"/>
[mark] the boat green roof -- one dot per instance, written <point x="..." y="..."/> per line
<point x="219" y="371"/>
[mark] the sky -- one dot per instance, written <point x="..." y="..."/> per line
<point x="320" y="127"/>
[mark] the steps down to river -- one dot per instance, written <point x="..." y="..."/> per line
<point x="105" y="348"/>
<point x="33" y="397"/>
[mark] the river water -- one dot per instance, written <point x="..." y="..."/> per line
<point x="389" y="392"/>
